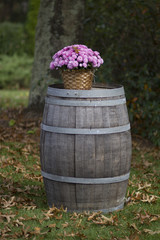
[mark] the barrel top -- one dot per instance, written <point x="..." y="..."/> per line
<point x="97" y="91"/>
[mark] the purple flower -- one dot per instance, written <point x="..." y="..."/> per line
<point x="85" y="65"/>
<point x="68" y="53"/>
<point x="59" y="53"/>
<point x="102" y="61"/>
<point x="85" y="59"/>
<point x="52" y="66"/>
<point x="76" y="56"/>
<point x="90" y="59"/>
<point x="61" y="63"/>
<point x="79" y="59"/>
<point x="75" y="64"/>
<point x="70" y="65"/>
<point x="96" y="53"/>
<point x="66" y="61"/>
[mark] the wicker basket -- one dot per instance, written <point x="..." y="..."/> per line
<point x="77" y="79"/>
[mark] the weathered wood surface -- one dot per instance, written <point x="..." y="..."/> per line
<point x="85" y="156"/>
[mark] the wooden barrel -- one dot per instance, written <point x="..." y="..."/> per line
<point x="86" y="148"/>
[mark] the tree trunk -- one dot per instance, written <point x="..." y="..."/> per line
<point x="59" y="24"/>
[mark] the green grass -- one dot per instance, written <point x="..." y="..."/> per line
<point x="15" y="71"/>
<point x="23" y="198"/>
<point x="13" y="98"/>
<point x="24" y="213"/>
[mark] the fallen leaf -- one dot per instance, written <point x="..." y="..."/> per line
<point x="8" y="204"/>
<point x="53" y="225"/>
<point x="143" y="186"/>
<point x="147" y="164"/>
<point x="155" y="218"/>
<point x="133" y="225"/>
<point x="25" y="231"/>
<point x="151" y="232"/>
<point x="149" y="198"/>
<point x="105" y="221"/>
<point x="65" y="224"/>
<point x="74" y="216"/>
<point x="69" y="234"/>
<point x="4" y="232"/>
<point x="93" y="215"/>
<point x="58" y="217"/>
<point x="8" y="217"/>
<point x="143" y="217"/>
<point x="147" y="217"/>
<point x="139" y="196"/>
<point x="55" y="213"/>
<point x="79" y="223"/>
<point x="12" y="122"/>
<point x="37" y="230"/>
<point x="18" y="223"/>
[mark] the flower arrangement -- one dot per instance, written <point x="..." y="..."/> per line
<point x="76" y="57"/>
<point x="77" y="64"/>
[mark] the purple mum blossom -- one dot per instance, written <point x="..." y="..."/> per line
<point x="61" y="63"/>
<point x="85" y="65"/>
<point x="75" y="64"/>
<point x="66" y="61"/>
<point x="96" y="53"/>
<point x="85" y="59"/>
<point x="79" y="59"/>
<point x="76" y="56"/>
<point x="94" y="63"/>
<point x="69" y="53"/>
<point x="52" y="66"/>
<point x="71" y="59"/>
<point x="56" y="63"/>
<point x="90" y="59"/>
<point x="70" y="65"/>
<point x="95" y="58"/>
<point x="102" y="61"/>
<point x="59" y="53"/>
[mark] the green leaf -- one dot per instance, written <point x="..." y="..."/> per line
<point x="31" y="131"/>
<point x="12" y="122"/>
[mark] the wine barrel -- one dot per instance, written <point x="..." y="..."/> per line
<point x="85" y="148"/>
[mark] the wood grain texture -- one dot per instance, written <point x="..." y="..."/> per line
<point x="85" y="156"/>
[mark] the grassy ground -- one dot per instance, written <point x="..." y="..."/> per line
<point x="24" y="212"/>
<point x="13" y="98"/>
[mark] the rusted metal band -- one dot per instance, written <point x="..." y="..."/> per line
<point x="85" y="103"/>
<point x="85" y="180"/>
<point x="93" y="93"/>
<point x="85" y="131"/>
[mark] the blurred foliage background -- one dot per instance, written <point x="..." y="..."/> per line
<point x="18" y="19"/>
<point x="125" y="32"/>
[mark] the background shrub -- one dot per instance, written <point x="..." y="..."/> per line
<point x="13" y="10"/>
<point x="30" y="25"/>
<point x="18" y="36"/>
<point x="127" y="34"/>
<point x="12" y="38"/>
<point x="15" y="71"/>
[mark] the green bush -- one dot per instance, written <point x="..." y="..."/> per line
<point x="30" y="25"/>
<point x="12" y="38"/>
<point x="127" y="35"/>
<point x="15" y="71"/>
